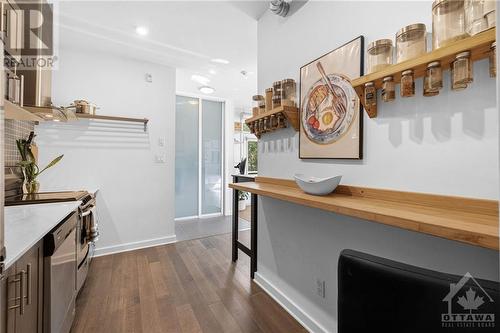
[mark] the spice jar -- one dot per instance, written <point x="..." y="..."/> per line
<point x="269" y="99"/>
<point x="288" y="92"/>
<point x="411" y="42"/>
<point x="256" y="129"/>
<point x="379" y="54"/>
<point x="407" y="83"/>
<point x="433" y="80"/>
<point x="272" y="122"/>
<point x="475" y="19"/>
<point x="489" y="9"/>
<point x="276" y="94"/>
<point x="493" y="60"/>
<point x="462" y="70"/>
<point x="370" y="97"/>
<point x="448" y="22"/>
<point x="388" y="89"/>
<point x="266" y="125"/>
<point x="259" y="103"/>
<point x="255" y="111"/>
<point x="281" y="121"/>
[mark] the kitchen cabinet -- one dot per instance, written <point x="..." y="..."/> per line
<point x="23" y="282"/>
<point x="12" y="28"/>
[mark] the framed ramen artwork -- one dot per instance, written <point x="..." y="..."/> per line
<point x="331" y="118"/>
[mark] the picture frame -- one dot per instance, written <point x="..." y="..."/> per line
<point x="331" y="115"/>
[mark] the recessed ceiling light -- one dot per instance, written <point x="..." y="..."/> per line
<point x="220" y="61"/>
<point x="207" y="90"/>
<point x="212" y="71"/>
<point x="141" y="30"/>
<point x="200" y="79"/>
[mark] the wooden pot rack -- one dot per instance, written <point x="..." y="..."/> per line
<point x="479" y="46"/>
<point x="291" y="114"/>
<point x="466" y="220"/>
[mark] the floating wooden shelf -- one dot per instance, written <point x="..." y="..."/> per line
<point x="479" y="46"/>
<point x="15" y="112"/>
<point x="291" y="114"/>
<point x="466" y="220"/>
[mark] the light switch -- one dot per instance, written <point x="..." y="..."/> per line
<point x="161" y="142"/>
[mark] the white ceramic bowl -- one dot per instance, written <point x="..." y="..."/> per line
<point x="317" y="186"/>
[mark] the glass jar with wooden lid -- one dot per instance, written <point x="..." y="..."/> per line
<point x="433" y="80"/>
<point x="288" y="92"/>
<point x="448" y="22"/>
<point x="370" y="97"/>
<point x="462" y="71"/>
<point x="269" y="99"/>
<point x="490" y="7"/>
<point x="475" y="19"/>
<point x="276" y="94"/>
<point x="388" y="89"/>
<point x="411" y="42"/>
<point x="259" y="105"/>
<point x="380" y="54"/>
<point x="407" y="83"/>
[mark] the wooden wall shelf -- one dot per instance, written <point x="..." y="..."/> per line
<point x="466" y="220"/>
<point x="291" y="114"/>
<point x="479" y="46"/>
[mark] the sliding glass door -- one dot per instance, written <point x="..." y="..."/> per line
<point x="199" y="157"/>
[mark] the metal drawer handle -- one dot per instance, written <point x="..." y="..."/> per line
<point x="28" y="286"/>
<point x="22" y="282"/>
<point x="21" y="304"/>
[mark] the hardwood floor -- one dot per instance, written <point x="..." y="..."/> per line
<point x="190" y="286"/>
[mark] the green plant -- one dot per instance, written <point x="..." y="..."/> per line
<point x="242" y="195"/>
<point x="28" y="164"/>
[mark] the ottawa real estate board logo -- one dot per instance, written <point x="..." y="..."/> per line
<point x="29" y="35"/>
<point x="467" y="305"/>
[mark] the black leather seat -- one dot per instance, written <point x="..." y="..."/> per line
<point x="380" y="295"/>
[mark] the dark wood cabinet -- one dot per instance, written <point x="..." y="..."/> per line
<point x="22" y="294"/>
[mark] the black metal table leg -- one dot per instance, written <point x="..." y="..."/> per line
<point x="235" y="243"/>
<point x="235" y="226"/>
<point x="253" y="236"/>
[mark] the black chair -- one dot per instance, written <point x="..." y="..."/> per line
<point x="380" y="295"/>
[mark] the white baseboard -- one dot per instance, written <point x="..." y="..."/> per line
<point x="293" y="309"/>
<point x="103" y="251"/>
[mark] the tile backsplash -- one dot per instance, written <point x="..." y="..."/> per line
<point x="15" y="129"/>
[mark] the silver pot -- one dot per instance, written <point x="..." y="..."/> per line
<point x="82" y="106"/>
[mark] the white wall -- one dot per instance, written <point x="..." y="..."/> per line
<point x="136" y="193"/>
<point x="446" y="144"/>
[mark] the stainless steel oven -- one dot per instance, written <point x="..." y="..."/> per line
<point x="86" y="235"/>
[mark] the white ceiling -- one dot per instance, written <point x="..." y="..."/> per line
<point x="182" y="34"/>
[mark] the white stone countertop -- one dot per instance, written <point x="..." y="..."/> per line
<point x="25" y="225"/>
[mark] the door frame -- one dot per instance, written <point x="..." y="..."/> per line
<point x="200" y="98"/>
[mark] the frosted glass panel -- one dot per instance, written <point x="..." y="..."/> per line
<point x="211" y="157"/>
<point x="186" y="157"/>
